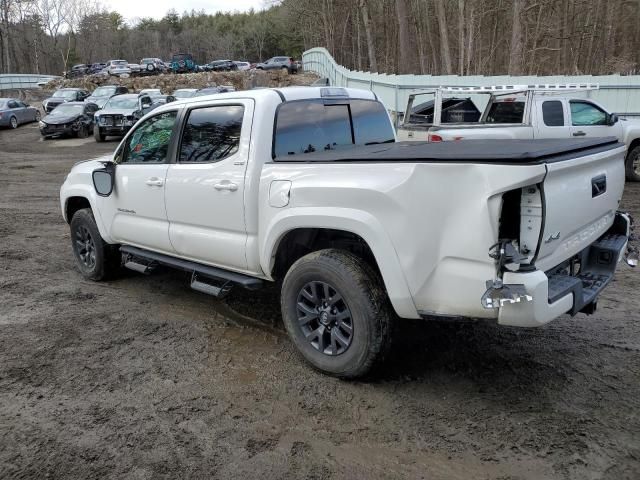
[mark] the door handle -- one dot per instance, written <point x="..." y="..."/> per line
<point x="232" y="187"/>
<point x="154" y="182"/>
<point x="579" y="134"/>
<point x="598" y="186"/>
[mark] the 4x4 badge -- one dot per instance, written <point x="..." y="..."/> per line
<point x="553" y="237"/>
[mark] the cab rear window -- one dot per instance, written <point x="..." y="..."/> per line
<point x="306" y="126"/>
<point x="506" y="112"/>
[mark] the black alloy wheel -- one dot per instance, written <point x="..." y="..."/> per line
<point x="324" y="318"/>
<point x="85" y="247"/>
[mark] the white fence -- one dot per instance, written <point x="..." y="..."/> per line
<point x="619" y="94"/>
<point x="18" y="82"/>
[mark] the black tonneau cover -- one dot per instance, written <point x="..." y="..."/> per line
<point x="472" y="151"/>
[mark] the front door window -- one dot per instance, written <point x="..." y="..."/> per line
<point x="149" y="143"/>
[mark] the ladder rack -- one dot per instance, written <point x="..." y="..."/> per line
<point x="542" y="87"/>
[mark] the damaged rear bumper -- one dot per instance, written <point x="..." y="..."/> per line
<point x="565" y="288"/>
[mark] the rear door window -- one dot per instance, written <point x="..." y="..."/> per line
<point x="211" y="134"/>
<point x="506" y="112"/>
<point x="552" y="113"/>
<point x="308" y="126"/>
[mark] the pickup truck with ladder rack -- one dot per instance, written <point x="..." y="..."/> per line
<point x="518" y="112"/>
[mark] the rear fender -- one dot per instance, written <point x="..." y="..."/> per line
<point x="354" y="221"/>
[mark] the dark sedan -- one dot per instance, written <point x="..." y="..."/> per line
<point x="62" y="96"/>
<point x="13" y="112"/>
<point x="69" y="119"/>
<point x="221" y="66"/>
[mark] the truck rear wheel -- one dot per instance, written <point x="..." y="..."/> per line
<point x="633" y="165"/>
<point x="337" y="313"/>
<point x="96" y="259"/>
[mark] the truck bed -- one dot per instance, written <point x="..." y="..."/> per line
<point x="473" y="151"/>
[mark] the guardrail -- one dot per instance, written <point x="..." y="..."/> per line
<point x="620" y="94"/>
<point x="23" y="81"/>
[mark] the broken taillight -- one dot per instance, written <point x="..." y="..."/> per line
<point x="433" y="137"/>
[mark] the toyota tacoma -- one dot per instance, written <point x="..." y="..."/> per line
<point x="308" y="187"/>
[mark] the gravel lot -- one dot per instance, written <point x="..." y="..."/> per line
<point x="144" y="378"/>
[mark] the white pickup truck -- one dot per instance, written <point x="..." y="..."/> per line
<point x="308" y="186"/>
<point x="518" y="112"/>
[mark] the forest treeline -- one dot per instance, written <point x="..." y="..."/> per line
<point x="465" y="37"/>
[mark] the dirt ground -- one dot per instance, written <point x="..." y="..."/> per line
<point x="143" y="378"/>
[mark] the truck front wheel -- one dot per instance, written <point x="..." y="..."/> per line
<point x="336" y="312"/>
<point x="633" y="165"/>
<point x="96" y="259"/>
<point x="98" y="135"/>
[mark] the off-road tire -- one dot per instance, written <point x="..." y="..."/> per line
<point x="107" y="257"/>
<point x="364" y="295"/>
<point x="13" y="123"/>
<point x="99" y="137"/>
<point x="633" y="175"/>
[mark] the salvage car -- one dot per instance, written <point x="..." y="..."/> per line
<point x="152" y="66"/>
<point x="135" y="69"/>
<point x="96" y="68"/>
<point x="101" y="95"/>
<point x="221" y="66"/>
<point x="185" y="93"/>
<point x="242" y="66"/>
<point x="279" y="63"/>
<point x="14" y="112"/>
<point x="118" y="67"/>
<point x="64" y="95"/>
<point x="308" y="187"/>
<point x="183" y="63"/>
<point x="69" y="119"/>
<point x="214" y="90"/>
<point x="77" y="71"/>
<point x="116" y="117"/>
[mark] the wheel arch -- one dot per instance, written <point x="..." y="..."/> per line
<point x="287" y="233"/>
<point x="73" y="204"/>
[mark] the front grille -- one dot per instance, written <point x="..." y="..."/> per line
<point x="112" y="120"/>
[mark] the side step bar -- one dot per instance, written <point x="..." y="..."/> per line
<point x="203" y="276"/>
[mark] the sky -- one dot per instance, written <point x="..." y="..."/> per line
<point x="132" y="9"/>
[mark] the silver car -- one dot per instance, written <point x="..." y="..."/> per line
<point x="13" y="112"/>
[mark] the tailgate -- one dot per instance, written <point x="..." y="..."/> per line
<point x="581" y="196"/>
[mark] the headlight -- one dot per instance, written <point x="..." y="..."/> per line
<point x="42" y="124"/>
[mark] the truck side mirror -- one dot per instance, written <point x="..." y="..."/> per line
<point x="145" y="102"/>
<point x="613" y="119"/>
<point x="103" y="179"/>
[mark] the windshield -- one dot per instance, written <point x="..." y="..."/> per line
<point x="183" y="94"/>
<point x="103" y="91"/>
<point x="122" y="103"/>
<point x="3" y="104"/>
<point x="177" y="58"/>
<point x="120" y="63"/>
<point x="66" y="110"/>
<point x="66" y="94"/>
<point x="144" y="61"/>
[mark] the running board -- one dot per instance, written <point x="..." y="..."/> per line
<point x="225" y="277"/>
<point x="139" y="267"/>
<point x="202" y="286"/>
